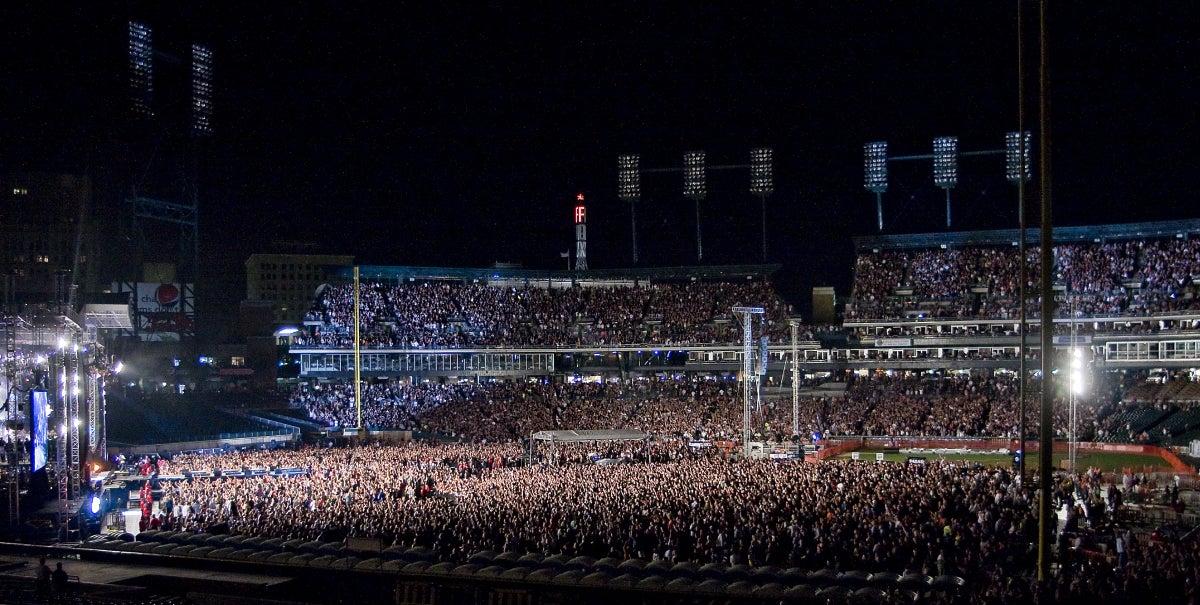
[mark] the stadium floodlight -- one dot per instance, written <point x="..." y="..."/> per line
<point x="945" y="167"/>
<point x="141" y="69"/>
<point x="762" y="171"/>
<point x="945" y="162"/>
<point x="1018" y="151"/>
<point x="694" y="188"/>
<point x="629" y="188"/>
<point x="693" y="175"/>
<point x="629" y="177"/>
<point x="875" y="170"/>
<point x="762" y="184"/>
<point x="875" y="173"/>
<point x="202" y="90"/>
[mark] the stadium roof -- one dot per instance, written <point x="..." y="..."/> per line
<point x="1004" y="237"/>
<point x="722" y="272"/>
<point x="577" y="436"/>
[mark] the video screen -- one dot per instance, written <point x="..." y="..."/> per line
<point x="39" y="404"/>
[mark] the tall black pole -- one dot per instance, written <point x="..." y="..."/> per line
<point x="1046" y="518"/>
<point x="1024" y="270"/>
<point x="763" y="198"/>
<point x="633" y="227"/>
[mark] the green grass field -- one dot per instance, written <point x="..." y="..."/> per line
<point x="1107" y="462"/>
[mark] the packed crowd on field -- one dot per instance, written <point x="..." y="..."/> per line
<point x="454" y="499"/>
<point x="440" y="314"/>
<point x="1098" y="279"/>
<point x="977" y="404"/>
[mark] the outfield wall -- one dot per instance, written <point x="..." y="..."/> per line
<point x="837" y="447"/>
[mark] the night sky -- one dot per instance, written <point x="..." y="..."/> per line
<point x="458" y="134"/>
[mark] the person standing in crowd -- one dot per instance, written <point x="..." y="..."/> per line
<point x="59" y="579"/>
<point x="43" y="576"/>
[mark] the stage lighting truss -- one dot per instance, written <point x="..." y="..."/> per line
<point x="875" y="170"/>
<point x="945" y="162"/>
<point x="762" y="171"/>
<point x="693" y="174"/>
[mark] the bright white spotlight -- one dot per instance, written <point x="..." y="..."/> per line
<point x="95" y="505"/>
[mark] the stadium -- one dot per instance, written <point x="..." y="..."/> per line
<point x="662" y="435"/>
<point x="289" y="319"/>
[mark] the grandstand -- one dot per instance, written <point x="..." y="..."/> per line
<point x="944" y="307"/>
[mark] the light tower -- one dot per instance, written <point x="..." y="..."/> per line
<point x="945" y="167"/>
<point x="1018" y="168"/>
<point x="580" y="234"/>
<point x="629" y="189"/>
<point x="202" y="90"/>
<point x="762" y="184"/>
<point x="141" y="70"/>
<point x="875" y="173"/>
<point x="694" y="188"/>
<point x="166" y="188"/>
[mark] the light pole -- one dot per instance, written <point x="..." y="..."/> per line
<point x="945" y="167"/>
<point x="694" y="188"/>
<point x="1018" y="168"/>
<point x="1078" y="388"/>
<point x="875" y="173"/>
<point x="629" y="189"/>
<point x="762" y="184"/>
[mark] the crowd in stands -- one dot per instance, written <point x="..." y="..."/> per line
<point x="439" y="314"/>
<point x="1135" y="277"/>
<point x="938" y="518"/>
<point x="909" y="405"/>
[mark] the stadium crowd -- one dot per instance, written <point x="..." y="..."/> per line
<point x="430" y="314"/>
<point x="936" y="518"/>
<point x="1135" y="277"/>
<point x="906" y="405"/>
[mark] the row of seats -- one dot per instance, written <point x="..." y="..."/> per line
<point x="609" y="572"/>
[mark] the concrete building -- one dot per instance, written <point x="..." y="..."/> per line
<point x="47" y="238"/>
<point x="289" y="281"/>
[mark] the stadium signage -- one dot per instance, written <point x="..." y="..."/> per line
<point x="1077" y="339"/>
